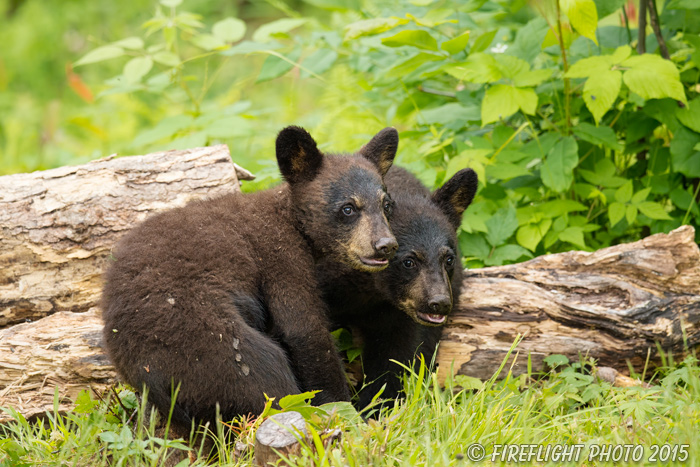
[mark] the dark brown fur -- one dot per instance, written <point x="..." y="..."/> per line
<point x="220" y="298"/>
<point x="386" y="308"/>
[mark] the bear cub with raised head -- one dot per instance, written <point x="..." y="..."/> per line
<point x="398" y="312"/>
<point x="219" y="297"/>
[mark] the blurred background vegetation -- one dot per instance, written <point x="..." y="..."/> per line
<point x="584" y="132"/>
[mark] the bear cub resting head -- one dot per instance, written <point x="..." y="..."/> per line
<point x="397" y="313"/>
<point x="219" y="297"/>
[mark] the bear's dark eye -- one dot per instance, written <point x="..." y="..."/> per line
<point x="387" y="206"/>
<point x="348" y="209"/>
<point x="450" y="261"/>
<point x="409" y="263"/>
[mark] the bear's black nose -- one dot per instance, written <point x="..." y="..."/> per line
<point x="387" y="246"/>
<point x="440" y="304"/>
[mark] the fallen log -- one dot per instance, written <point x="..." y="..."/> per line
<point x="57" y="227"/>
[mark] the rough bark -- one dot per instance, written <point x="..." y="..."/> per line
<point x="57" y="226"/>
<point x="613" y="305"/>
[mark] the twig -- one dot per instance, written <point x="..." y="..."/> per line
<point x="654" y="20"/>
<point x="642" y="33"/>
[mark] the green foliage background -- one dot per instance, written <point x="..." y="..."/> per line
<point x="579" y="141"/>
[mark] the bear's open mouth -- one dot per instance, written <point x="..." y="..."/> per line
<point x="374" y="262"/>
<point x="432" y="318"/>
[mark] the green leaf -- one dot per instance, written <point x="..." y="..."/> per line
<point x="601" y="91"/>
<point x="468" y="382"/>
<point x="608" y="7"/>
<point x="413" y="37"/>
<point x="274" y="67"/>
<point x="690" y="115"/>
<point x="685" y="158"/>
<point x="589" y="66"/>
<point x="557" y="169"/>
<point x="137" y="68"/>
<point x="631" y="214"/>
<point x="500" y="102"/>
<point x="624" y="193"/>
<point x="166" y="58"/>
<point x="410" y="65"/>
<point x="99" y="54"/>
<point x="641" y="195"/>
<point x="507" y="253"/>
<point x="319" y="62"/>
<point x="526" y="99"/>
<point x="449" y="113"/>
<point x="266" y="32"/>
<point x="653" y="77"/>
<point x="653" y="210"/>
<point x="598" y="135"/>
<point x="84" y="403"/>
<point x="131" y="43"/>
<point x="368" y="27"/>
<point x="295" y="400"/>
<point x="530" y="235"/>
<point x="478" y="68"/>
<point x="501" y="226"/>
<point x="555" y="360"/>
<point x="207" y="42"/>
<point x="532" y="77"/>
<point x="616" y="212"/>
<point x="583" y="16"/>
<point x="483" y="41"/>
<point x="573" y="235"/>
<point x="229" y="30"/>
<point x="456" y="44"/>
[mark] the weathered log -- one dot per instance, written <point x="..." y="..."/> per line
<point x="613" y="305"/>
<point x="58" y="226"/>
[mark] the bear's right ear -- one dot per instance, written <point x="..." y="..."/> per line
<point x="298" y="157"/>
<point x="456" y="195"/>
<point x="381" y="149"/>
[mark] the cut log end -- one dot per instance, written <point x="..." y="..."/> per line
<point x="279" y="435"/>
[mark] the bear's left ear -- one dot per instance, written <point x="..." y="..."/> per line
<point x="298" y="157"/>
<point x="456" y="195"/>
<point x="381" y="149"/>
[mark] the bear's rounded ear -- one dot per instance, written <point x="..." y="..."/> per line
<point x="381" y="149"/>
<point x="298" y="157"/>
<point x="456" y="195"/>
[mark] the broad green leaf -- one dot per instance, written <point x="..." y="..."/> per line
<point x="410" y="65"/>
<point x="551" y="39"/>
<point x="434" y="18"/>
<point x="166" y="58"/>
<point x="607" y="7"/>
<point x="684" y="157"/>
<point x="478" y="68"/>
<point x="501" y="226"/>
<point x="558" y="207"/>
<point x="500" y="102"/>
<point x="511" y="66"/>
<point x="474" y="159"/>
<point x="412" y="37"/>
<point x="573" y="235"/>
<point x="137" y="68"/>
<point x="590" y="66"/>
<point x="99" y="54"/>
<point x="266" y="32"/>
<point x="131" y="43"/>
<point x="683" y="4"/>
<point x="371" y="26"/>
<point x="450" y="113"/>
<point x="598" y="135"/>
<point x="483" y="41"/>
<point x="616" y="212"/>
<point x="507" y="253"/>
<point x="621" y="54"/>
<point x="624" y="193"/>
<point x="653" y="210"/>
<point x="229" y="30"/>
<point x="653" y="77"/>
<point x="557" y="169"/>
<point x="530" y="235"/>
<point x="505" y="171"/>
<point x="474" y="245"/>
<point x="641" y="195"/>
<point x="631" y="214"/>
<point x="583" y="16"/>
<point x="319" y="62"/>
<point x="532" y="77"/>
<point x="274" y="66"/>
<point x="468" y="382"/>
<point x="555" y="360"/>
<point x="526" y="99"/>
<point x="601" y="91"/>
<point x="207" y="41"/>
<point x="690" y="115"/>
<point x="294" y="400"/>
<point x="456" y="44"/>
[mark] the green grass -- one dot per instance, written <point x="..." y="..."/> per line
<point x="432" y="426"/>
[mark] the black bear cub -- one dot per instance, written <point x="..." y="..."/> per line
<point x="219" y="297"/>
<point x="399" y="312"/>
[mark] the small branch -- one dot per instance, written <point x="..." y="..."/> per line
<point x="437" y="92"/>
<point x="642" y="34"/>
<point x="654" y="20"/>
